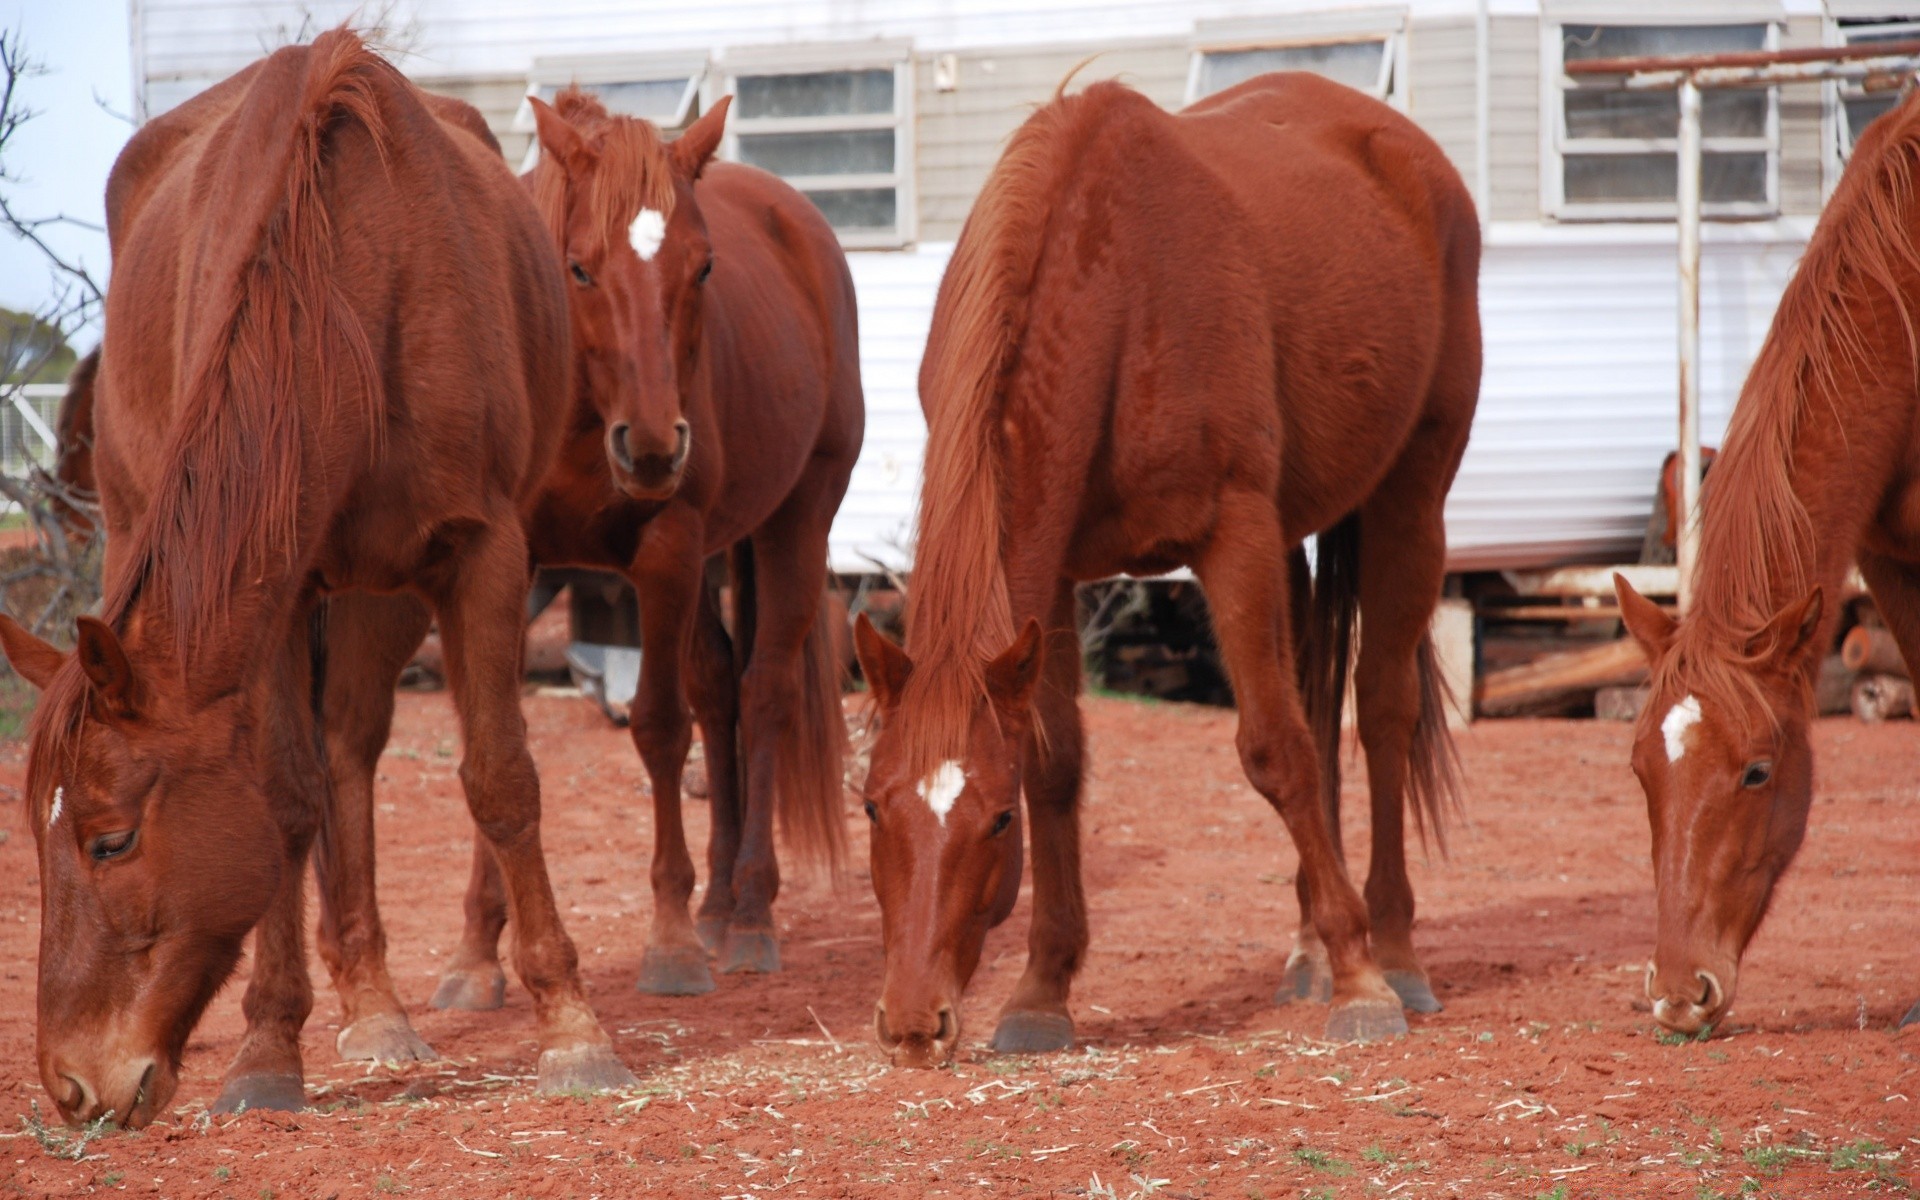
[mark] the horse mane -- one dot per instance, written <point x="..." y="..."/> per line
<point x="959" y="613"/>
<point x="243" y="456"/>
<point x="1757" y="536"/>
<point x="632" y="172"/>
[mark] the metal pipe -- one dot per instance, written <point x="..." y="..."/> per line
<point x="1814" y="55"/>
<point x="1483" y="113"/>
<point x="1687" y="526"/>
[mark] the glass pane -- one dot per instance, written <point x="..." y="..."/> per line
<point x="1733" y="178"/>
<point x="650" y="99"/>
<point x="1653" y="178"/>
<point x="824" y="94"/>
<point x="1636" y="178"/>
<point x="852" y="152"/>
<point x="862" y="209"/>
<point x="1629" y="41"/>
<point x="1356" y="64"/>
<point x="1597" y="114"/>
<point x="1855" y="33"/>
<point x="1863" y="111"/>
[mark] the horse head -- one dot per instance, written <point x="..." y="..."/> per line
<point x="1722" y="753"/>
<point x="158" y="853"/>
<point x="620" y="202"/>
<point x="945" y="844"/>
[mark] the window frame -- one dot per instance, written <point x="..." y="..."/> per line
<point x="1554" y="85"/>
<point x="1302" y="30"/>
<point x="817" y="60"/>
<point x="1837" y="137"/>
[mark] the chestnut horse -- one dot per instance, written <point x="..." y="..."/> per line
<point x="296" y="431"/>
<point x="1170" y="340"/>
<point x="717" y="407"/>
<point x="1820" y="469"/>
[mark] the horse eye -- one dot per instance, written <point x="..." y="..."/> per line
<point x="704" y="272"/>
<point x="112" y="845"/>
<point x="1000" y="823"/>
<point x="873" y="814"/>
<point x="580" y="275"/>
<point x="1757" y="774"/>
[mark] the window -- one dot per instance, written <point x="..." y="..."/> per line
<point x="1361" y="49"/>
<point x="1616" y="153"/>
<point x="1855" y="107"/>
<point x="838" y="127"/>
<point x="662" y="89"/>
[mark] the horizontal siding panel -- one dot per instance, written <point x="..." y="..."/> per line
<point x="1442" y="66"/>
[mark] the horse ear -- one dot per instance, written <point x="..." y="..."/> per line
<point x="1792" y="630"/>
<point x="692" y="149"/>
<point x="885" y="665"/>
<point x="36" y="661"/>
<point x="1012" y="677"/>
<point x="1646" y="621"/>
<point x="558" y="137"/>
<point x="105" y="662"/>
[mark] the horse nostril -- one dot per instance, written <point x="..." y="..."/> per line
<point x="880" y="1029"/>
<point x="946" y="1030"/>
<point x="683" y="441"/>
<point x="617" y="445"/>
<point x="1647" y="982"/>
<point x="1712" y="994"/>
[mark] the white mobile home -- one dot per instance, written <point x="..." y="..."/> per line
<point x="890" y="113"/>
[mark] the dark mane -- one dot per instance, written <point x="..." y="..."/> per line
<point x="632" y="173"/>
<point x="959" y="614"/>
<point x="1757" y="539"/>
<point x="272" y="327"/>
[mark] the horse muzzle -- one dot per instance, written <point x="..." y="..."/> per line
<point x="643" y="471"/>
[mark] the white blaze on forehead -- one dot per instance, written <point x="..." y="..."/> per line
<point x="941" y="789"/>
<point x="1679" y="719"/>
<point x="59" y="797"/>
<point x="649" y="229"/>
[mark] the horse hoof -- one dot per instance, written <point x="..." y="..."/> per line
<point x="1912" y="1017"/>
<point x="477" y="990"/>
<point x="1305" y="982"/>
<point x="712" y="932"/>
<point x="750" y="950"/>
<point x="1366" y="1021"/>
<point x="282" y="1093"/>
<point x="1414" y="991"/>
<point x="681" y="971"/>
<point x="583" y="1069"/>
<point x="383" y="1038"/>
<point x="1033" y="1033"/>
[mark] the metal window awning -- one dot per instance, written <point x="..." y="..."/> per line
<point x="1877" y="66"/>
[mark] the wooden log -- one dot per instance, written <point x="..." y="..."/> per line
<point x="1882" y="697"/>
<point x="1833" y="688"/>
<point x="1620" y="703"/>
<point x="1871" y="650"/>
<point x="1551" y="680"/>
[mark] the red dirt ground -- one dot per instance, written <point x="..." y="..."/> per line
<point x="1542" y="1078"/>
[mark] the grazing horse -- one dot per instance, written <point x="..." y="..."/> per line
<point x="1154" y="348"/>
<point x="335" y="372"/>
<point x="717" y="407"/>
<point x="1819" y="469"/>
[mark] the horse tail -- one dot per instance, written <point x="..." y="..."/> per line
<point x="1433" y="762"/>
<point x="1326" y="659"/>
<point x="812" y="782"/>
<point x="274" y="325"/>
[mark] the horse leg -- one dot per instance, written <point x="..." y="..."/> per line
<point x="369" y="640"/>
<point x="1896" y="594"/>
<point x="474" y="981"/>
<point x="482" y="611"/>
<point x="713" y="685"/>
<point x="1402" y="561"/>
<point x="1243" y="573"/>
<point x="1307" y="976"/>
<point x="267" y="1071"/>
<point x="667" y="573"/>
<point x="789" y="573"/>
<point x="1036" y="1019"/>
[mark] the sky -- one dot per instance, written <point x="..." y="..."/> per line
<point x="61" y="157"/>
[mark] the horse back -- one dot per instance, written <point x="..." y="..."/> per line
<point x="403" y="207"/>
